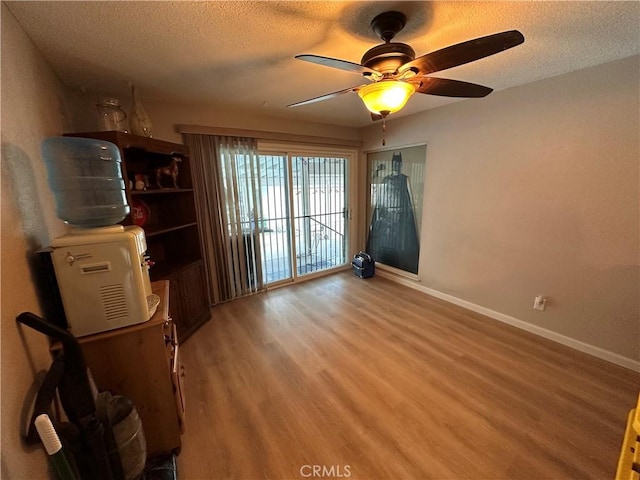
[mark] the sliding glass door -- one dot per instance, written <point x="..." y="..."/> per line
<point x="303" y="228"/>
<point x="319" y="210"/>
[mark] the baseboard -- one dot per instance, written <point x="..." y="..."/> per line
<point x="543" y="332"/>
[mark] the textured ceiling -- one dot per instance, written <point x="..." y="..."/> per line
<point x="240" y="54"/>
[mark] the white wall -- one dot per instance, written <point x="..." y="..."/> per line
<point x="32" y="109"/>
<point x="535" y="190"/>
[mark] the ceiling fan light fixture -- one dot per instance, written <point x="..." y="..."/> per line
<point x="386" y="96"/>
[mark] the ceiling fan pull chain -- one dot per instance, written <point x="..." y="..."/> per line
<point x="384" y="131"/>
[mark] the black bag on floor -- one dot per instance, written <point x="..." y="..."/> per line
<point x="364" y="266"/>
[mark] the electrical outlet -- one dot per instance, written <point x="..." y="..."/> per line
<point x="539" y="303"/>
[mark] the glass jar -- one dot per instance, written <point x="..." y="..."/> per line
<point x="110" y="116"/>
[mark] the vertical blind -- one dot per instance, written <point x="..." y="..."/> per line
<point x="225" y="173"/>
<point x="240" y="170"/>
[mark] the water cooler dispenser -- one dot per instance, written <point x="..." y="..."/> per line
<point x="101" y="269"/>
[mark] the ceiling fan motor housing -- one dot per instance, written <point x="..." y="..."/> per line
<point x="388" y="57"/>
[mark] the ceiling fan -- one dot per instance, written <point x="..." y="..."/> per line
<point x="395" y="73"/>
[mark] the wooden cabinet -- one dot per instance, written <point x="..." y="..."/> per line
<point x="142" y="362"/>
<point x="189" y="299"/>
<point x="168" y="217"/>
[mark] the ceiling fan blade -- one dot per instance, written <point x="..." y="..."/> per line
<point x="464" y="52"/>
<point x="376" y="116"/>
<point x="326" y="96"/>
<point x="445" y="87"/>
<point x="336" y="63"/>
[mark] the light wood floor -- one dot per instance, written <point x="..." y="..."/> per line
<point x="373" y="380"/>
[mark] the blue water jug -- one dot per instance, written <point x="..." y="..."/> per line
<point x="85" y="177"/>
